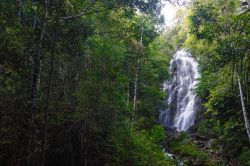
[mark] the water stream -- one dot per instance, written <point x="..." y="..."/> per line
<point x="180" y="115"/>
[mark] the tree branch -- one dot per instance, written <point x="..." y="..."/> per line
<point x="83" y="12"/>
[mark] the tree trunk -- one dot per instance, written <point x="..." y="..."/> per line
<point x="31" y="104"/>
<point x="137" y="71"/>
<point x="85" y="144"/>
<point x="135" y="87"/>
<point x="128" y="95"/>
<point x="51" y="72"/>
<point x="71" y="152"/>
<point x="20" y="8"/>
<point x="82" y="130"/>
<point x="243" y="107"/>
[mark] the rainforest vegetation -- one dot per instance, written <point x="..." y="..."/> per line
<point x="81" y="82"/>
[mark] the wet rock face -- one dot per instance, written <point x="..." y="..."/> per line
<point x="181" y="97"/>
<point x="199" y="107"/>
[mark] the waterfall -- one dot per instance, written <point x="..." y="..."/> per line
<point x="181" y="113"/>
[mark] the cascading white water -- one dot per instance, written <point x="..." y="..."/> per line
<point x="181" y="97"/>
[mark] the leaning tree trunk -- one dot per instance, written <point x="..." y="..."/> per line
<point x="243" y="107"/>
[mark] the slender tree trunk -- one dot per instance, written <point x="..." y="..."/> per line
<point x="81" y="141"/>
<point x="135" y="87"/>
<point x="29" y="117"/>
<point x="85" y="144"/>
<point x="125" y="150"/>
<point x="51" y="73"/>
<point x="243" y="107"/>
<point x="20" y="8"/>
<point x="37" y="59"/>
<point x="137" y="72"/>
<point x="128" y="94"/>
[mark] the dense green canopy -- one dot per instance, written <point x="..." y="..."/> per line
<point x="81" y="82"/>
